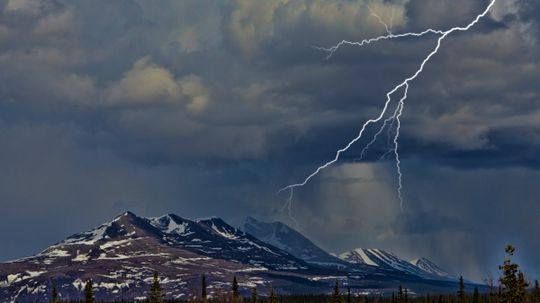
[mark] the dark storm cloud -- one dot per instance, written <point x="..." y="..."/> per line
<point x="166" y="106"/>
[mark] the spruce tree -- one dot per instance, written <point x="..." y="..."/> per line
<point x="272" y="298"/>
<point x="203" y="288"/>
<point x="406" y="296"/>
<point x="400" y="294"/>
<point x="536" y="292"/>
<point x="254" y="294"/>
<point x="514" y="286"/>
<point x="461" y="291"/>
<point x="235" y="289"/>
<point x="336" y="295"/>
<point x="89" y="292"/>
<point x="54" y="295"/>
<point x="154" y="295"/>
<point x="349" y="295"/>
<point x="476" y="296"/>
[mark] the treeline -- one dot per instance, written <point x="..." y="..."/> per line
<point x="512" y="288"/>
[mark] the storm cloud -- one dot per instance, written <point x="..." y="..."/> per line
<point x="209" y="107"/>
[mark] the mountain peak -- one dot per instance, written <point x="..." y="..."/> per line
<point x="387" y="260"/>
<point x="126" y="214"/>
<point x="113" y="252"/>
<point x="430" y="267"/>
<point x="221" y="227"/>
<point x="215" y="220"/>
<point x="288" y="239"/>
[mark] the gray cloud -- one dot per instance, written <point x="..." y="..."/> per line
<point x="167" y="106"/>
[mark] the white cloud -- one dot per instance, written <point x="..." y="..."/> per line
<point x="149" y="83"/>
<point x="146" y="82"/>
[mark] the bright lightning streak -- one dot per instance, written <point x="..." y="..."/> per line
<point x="396" y="137"/>
<point x="374" y="139"/>
<point x="288" y="206"/>
<point x="399" y="109"/>
<point x="388" y="139"/>
<point x="331" y="50"/>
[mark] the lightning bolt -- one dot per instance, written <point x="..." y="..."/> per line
<point x="398" y="111"/>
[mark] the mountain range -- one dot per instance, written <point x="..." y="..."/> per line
<point x="121" y="256"/>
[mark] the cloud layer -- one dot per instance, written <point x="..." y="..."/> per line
<point x="207" y="108"/>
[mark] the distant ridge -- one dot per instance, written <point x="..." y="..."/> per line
<point x="120" y="256"/>
<point x="285" y="237"/>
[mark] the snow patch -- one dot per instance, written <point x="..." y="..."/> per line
<point x="116" y="243"/>
<point x="56" y="253"/>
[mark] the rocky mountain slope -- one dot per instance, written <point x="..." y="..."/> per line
<point x="286" y="238"/>
<point x="387" y="260"/>
<point x="121" y="256"/>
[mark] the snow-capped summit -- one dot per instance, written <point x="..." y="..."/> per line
<point x="379" y="258"/>
<point x="383" y="259"/>
<point x="219" y="226"/>
<point x="120" y="256"/>
<point x="215" y="238"/>
<point x="430" y="267"/>
<point x="125" y="225"/>
<point x="358" y="256"/>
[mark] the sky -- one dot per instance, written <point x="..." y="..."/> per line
<point x="201" y="108"/>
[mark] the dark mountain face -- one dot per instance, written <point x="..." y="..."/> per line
<point x="121" y="256"/>
<point x="215" y="238"/>
<point x="386" y="260"/>
<point x="286" y="238"/>
<point x="432" y="268"/>
<point x="361" y="259"/>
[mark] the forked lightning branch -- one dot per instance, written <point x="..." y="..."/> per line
<point x="395" y="109"/>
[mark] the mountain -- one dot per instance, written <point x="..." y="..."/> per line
<point x="121" y="256"/>
<point x="387" y="260"/>
<point x="215" y="238"/>
<point x="432" y="268"/>
<point x="282" y="236"/>
<point x="286" y="238"/>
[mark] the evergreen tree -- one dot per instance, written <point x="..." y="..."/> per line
<point x="461" y="291"/>
<point x="154" y="295"/>
<point x="536" y="292"/>
<point x="440" y="299"/>
<point x="349" y="295"/>
<point x="235" y="289"/>
<point x="476" y="296"/>
<point x="400" y="294"/>
<point x="54" y="295"/>
<point x="203" y="288"/>
<point x="272" y="298"/>
<point x="512" y="281"/>
<point x="89" y="292"/>
<point x="393" y="298"/>
<point x="336" y="295"/>
<point x="406" y="296"/>
<point x="254" y="294"/>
